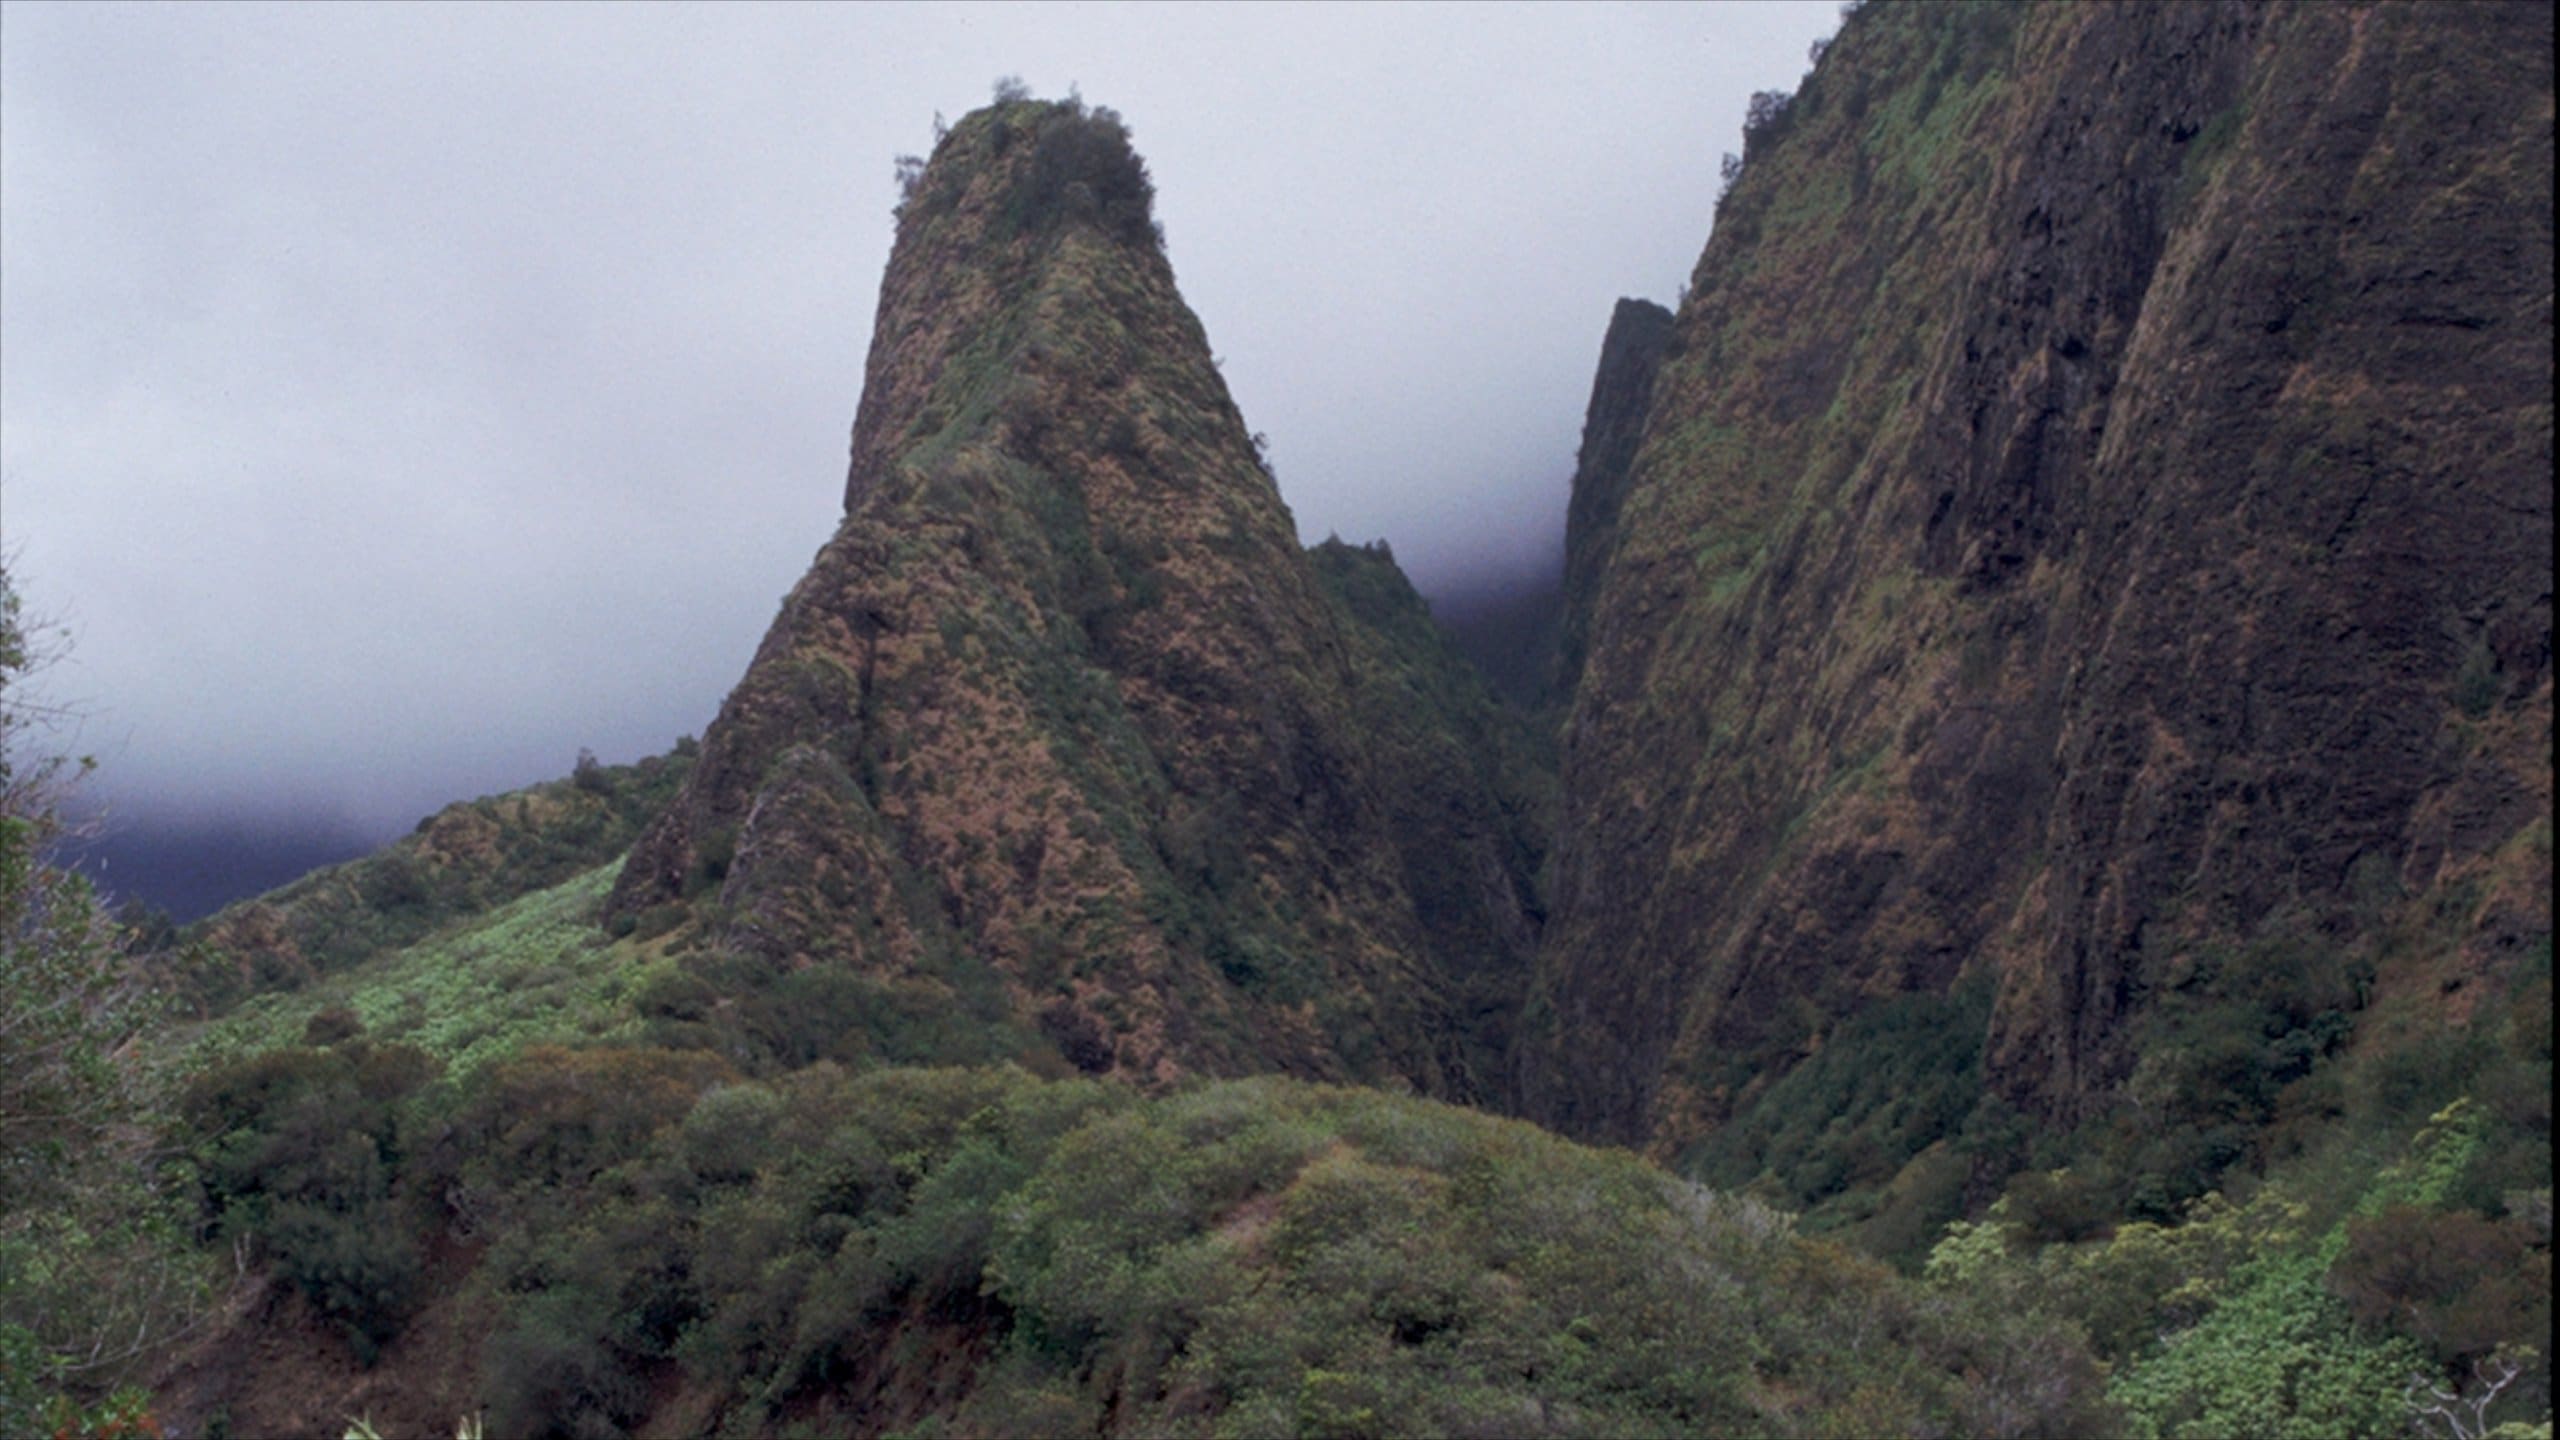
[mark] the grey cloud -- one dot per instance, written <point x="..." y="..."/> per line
<point x="400" y="397"/>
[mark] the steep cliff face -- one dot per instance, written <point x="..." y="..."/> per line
<point x="2092" y="527"/>
<point x="1468" y="786"/>
<point x="1612" y="425"/>
<point x="1060" y="750"/>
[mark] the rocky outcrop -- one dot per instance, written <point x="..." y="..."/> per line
<point x="1612" y="424"/>
<point x="1060" y="752"/>
<point x="2093" y="519"/>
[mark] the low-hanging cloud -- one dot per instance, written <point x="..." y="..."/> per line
<point x="398" y="398"/>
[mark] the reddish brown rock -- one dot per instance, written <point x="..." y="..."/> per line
<point x="1061" y="751"/>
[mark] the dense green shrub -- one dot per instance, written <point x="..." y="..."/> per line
<point x="551" y="1371"/>
<point x="1083" y="165"/>
<point x="1827" y="1137"/>
<point x="2310" y="1307"/>
<point x="299" y="1150"/>
<point x="2239" y="1053"/>
<point x="2279" y="1357"/>
<point x="1242" y="1257"/>
<point x="553" y="1119"/>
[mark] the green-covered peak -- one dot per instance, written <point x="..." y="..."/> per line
<point x="1061" y="751"/>
<point x="1028" y="214"/>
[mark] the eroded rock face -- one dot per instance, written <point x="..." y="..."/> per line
<point x="1060" y="735"/>
<point x="2095" y="511"/>
<point x="1612" y="426"/>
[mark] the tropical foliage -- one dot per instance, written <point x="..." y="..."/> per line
<point x="93" y="1264"/>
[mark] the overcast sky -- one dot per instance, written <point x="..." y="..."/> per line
<point x="395" y="399"/>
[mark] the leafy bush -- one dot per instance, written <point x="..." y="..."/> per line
<point x="555" y="1119"/>
<point x="2278" y="1358"/>
<point x="1764" y="119"/>
<point x="1081" y="168"/>
<point x="94" y="1266"/>
<point x="550" y="1371"/>
<point x="1896" y="1078"/>
<point x="2302" y="1310"/>
<point x="2234" y="1044"/>
<point x="299" y="1150"/>
<point x="1240" y="1257"/>
<point x="2458" y="1283"/>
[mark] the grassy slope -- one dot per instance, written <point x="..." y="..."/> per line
<point x="534" y="970"/>
<point x="460" y="863"/>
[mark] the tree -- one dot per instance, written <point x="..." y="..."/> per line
<point x="2463" y="1414"/>
<point x="88" y="1249"/>
<point x="68" y="1002"/>
<point x="2461" y="1284"/>
<point x="1765" y="114"/>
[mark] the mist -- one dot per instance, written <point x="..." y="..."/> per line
<point x="396" y="399"/>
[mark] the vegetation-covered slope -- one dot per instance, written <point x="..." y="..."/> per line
<point x="461" y="862"/>
<point x="2093" y="528"/>
<point x="1060" y="731"/>
<point x="636" y="1240"/>
<point x="1468" y="785"/>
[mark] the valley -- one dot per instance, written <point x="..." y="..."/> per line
<point x="2010" y="896"/>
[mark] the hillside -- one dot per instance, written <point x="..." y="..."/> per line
<point x="460" y="863"/>
<point x="2085" y="575"/>
<point x="621" y="1240"/>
